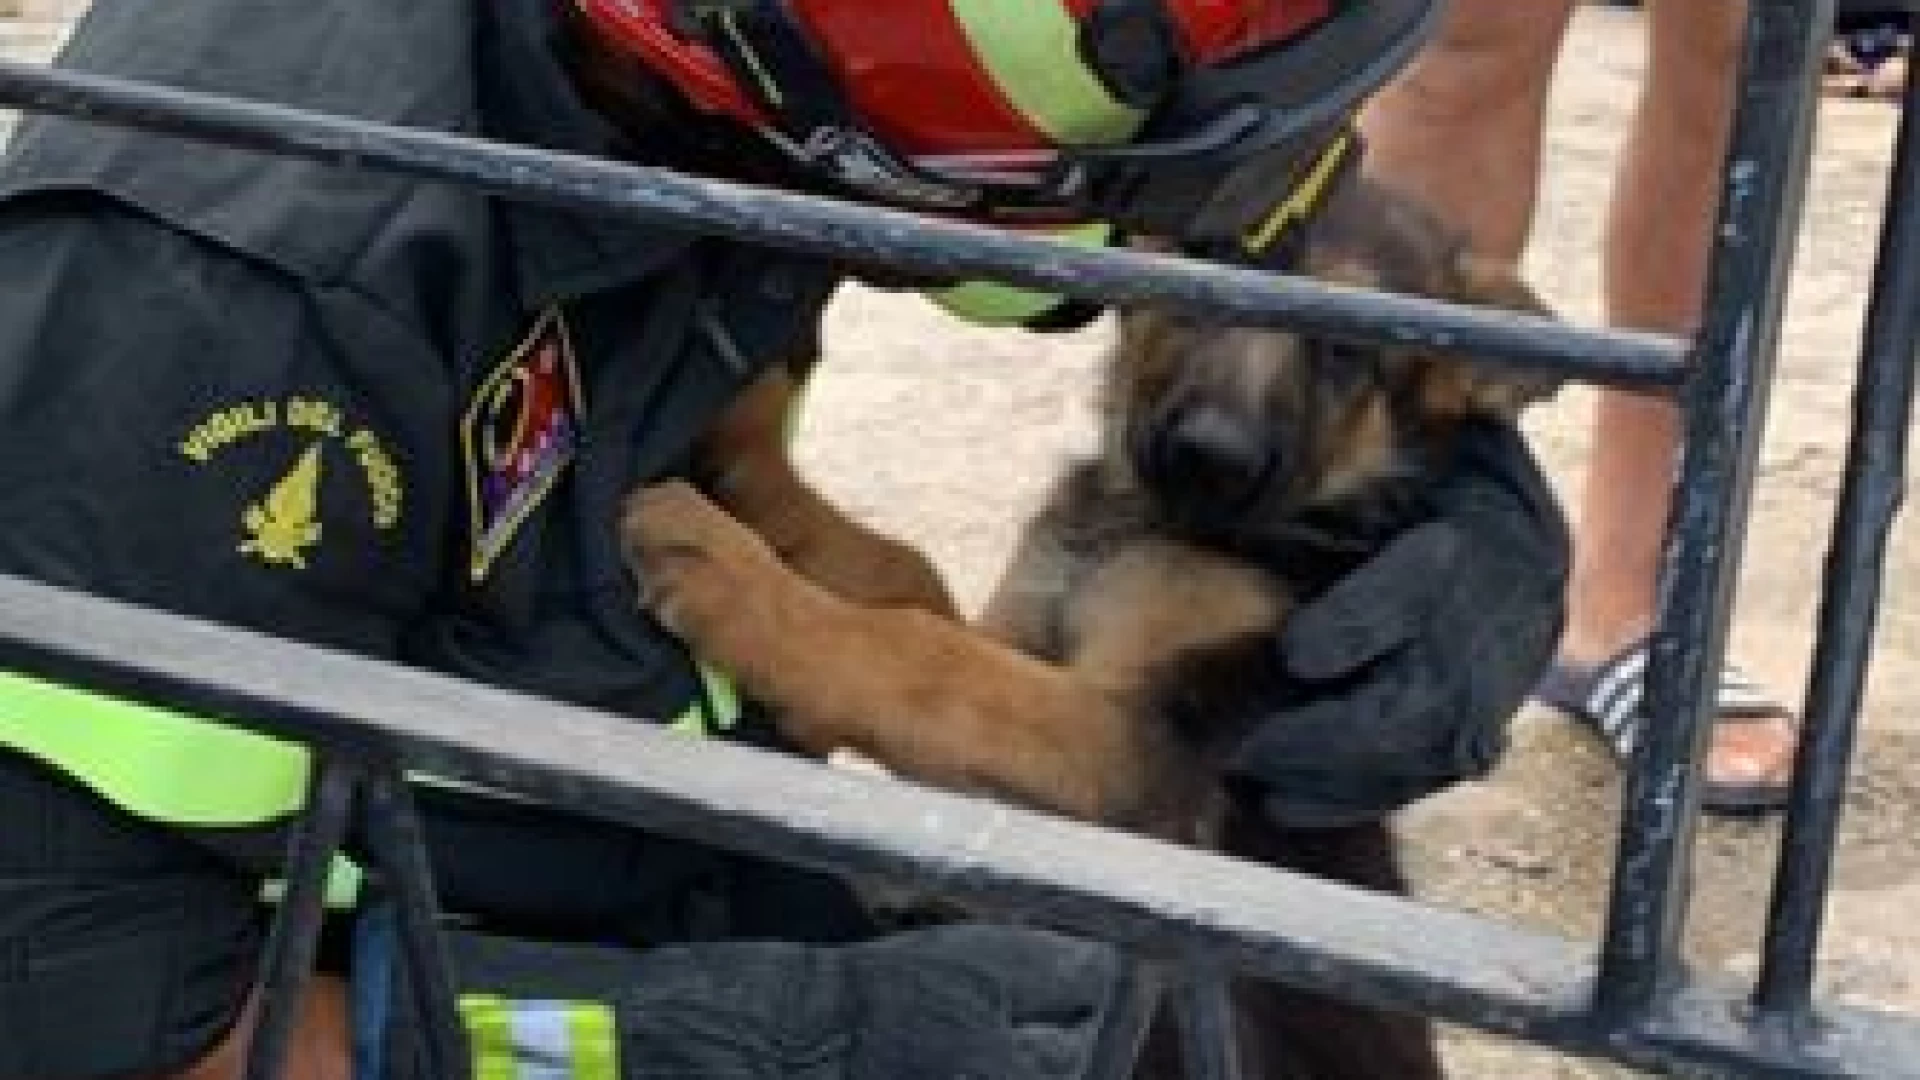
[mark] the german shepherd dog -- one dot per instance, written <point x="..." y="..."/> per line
<point x="1130" y="641"/>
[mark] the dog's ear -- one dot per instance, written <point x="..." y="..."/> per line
<point x="1491" y="388"/>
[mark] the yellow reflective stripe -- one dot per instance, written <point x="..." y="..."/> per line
<point x="990" y="303"/>
<point x="539" y="1039"/>
<point x="1031" y="51"/>
<point x="692" y="722"/>
<point x="489" y="1027"/>
<point x="1300" y="202"/>
<point x="718" y="710"/>
<point x="344" y="878"/>
<point x="161" y="765"/>
<point x="166" y="766"/>
<point x="596" y="1041"/>
<point x="721" y="698"/>
<point x="152" y="762"/>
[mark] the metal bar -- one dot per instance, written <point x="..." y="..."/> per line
<point x="1137" y="1002"/>
<point x="863" y="234"/>
<point x="295" y="936"/>
<point x="1726" y="408"/>
<point x="1209" y="1036"/>
<point x="1850" y="600"/>
<point x="394" y="838"/>
<point x="1307" y="932"/>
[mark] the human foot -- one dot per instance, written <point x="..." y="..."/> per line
<point x="1749" y="759"/>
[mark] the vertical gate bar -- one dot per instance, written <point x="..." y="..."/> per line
<point x="399" y="849"/>
<point x="1849" y="610"/>
<point x="1725" y="411"/>
<point x="1116" y="1053"/>
<point x="1209" y="1037"/>
<point x="295" y="936"/>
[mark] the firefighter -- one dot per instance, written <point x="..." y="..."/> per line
<point x="394" y="418"/>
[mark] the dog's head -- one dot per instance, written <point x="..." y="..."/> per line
<point x="1239" y="434"/>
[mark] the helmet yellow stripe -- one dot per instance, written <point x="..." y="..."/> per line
<point x="1030" y="48"/>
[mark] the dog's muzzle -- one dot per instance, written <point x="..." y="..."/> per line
<point x="1207" y="466"/>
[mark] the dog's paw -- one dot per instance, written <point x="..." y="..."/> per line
<point x="688" y="556"/>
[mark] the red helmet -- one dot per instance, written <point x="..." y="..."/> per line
<point x="1001" y="104"/>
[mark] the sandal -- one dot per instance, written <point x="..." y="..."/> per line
<point x="1608" y="699"/>
<point x="1843" y="75"/>
<point x="1888" y="80"/>
<point x="1870" y="62"/>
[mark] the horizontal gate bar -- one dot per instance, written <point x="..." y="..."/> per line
<point x="1726" y="400"/>
<point x="1870" y="501"/>
<point x="1166" y="901"/>
<point x="850" y="231"/>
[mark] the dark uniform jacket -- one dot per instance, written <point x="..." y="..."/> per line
<point x="361" y="411"/>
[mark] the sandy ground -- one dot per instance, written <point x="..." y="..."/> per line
<point x="947" y="434"/>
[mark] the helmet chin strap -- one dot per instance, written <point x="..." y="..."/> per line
<point x="1273" y="239"/>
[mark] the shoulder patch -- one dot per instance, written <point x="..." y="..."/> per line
<point x="518" y="435"/>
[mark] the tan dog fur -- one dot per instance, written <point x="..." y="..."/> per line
<point x="853" y="640"/>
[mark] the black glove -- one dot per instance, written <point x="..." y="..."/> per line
<point x="1410" y="668"/>
<point x="962" y="1002"/>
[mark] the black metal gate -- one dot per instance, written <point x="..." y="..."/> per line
<point x="1633" y="1000"/>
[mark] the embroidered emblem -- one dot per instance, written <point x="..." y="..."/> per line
<point x="283" y="525"/>
<point x="519" y="434"/>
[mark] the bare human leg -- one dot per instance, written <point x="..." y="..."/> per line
<point x="320" y="1049"/>
<point x="1462" y="128"/>
<point x="1658" y="234"/>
